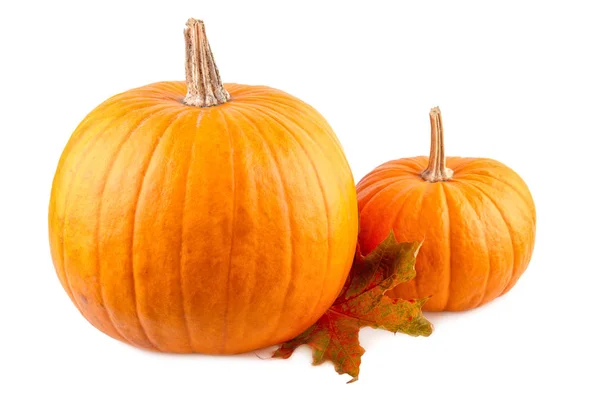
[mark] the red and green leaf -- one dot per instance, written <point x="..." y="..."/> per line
<point x="362" y="302"/>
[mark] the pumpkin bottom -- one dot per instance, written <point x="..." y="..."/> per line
<point x="459" y="287"/>
<point x="471" y="285"/>
<point x="439" y="303"/>
<point x="202" y="330"/>
<point x="458" y="271"/>
<point x="241" y="349"/>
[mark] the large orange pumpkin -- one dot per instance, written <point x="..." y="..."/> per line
<point x="220" y="221"/>
<point x="476" y="218"/>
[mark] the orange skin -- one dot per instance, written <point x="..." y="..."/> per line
<point x="214" y="230"/>
<point x="478" y="228"/>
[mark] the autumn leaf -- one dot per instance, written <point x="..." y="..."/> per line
<point x="362" y="302"/>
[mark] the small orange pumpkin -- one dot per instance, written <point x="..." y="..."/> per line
<point x="476" y="218"/>
<point x="218" y="221"/>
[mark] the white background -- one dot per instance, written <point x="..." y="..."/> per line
<point x="518" y="81"/>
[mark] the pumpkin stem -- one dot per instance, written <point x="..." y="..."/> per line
<point x="204" y="86"/>
<point x="436" y="169"/>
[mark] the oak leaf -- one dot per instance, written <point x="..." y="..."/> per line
<point x="362" y="302"/>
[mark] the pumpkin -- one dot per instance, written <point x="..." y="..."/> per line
<point x="475" y="216"/>
<point x="203" y="217"/>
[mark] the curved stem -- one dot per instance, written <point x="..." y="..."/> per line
<point x="436" y="170"/>
<point x="204" y="86"/>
